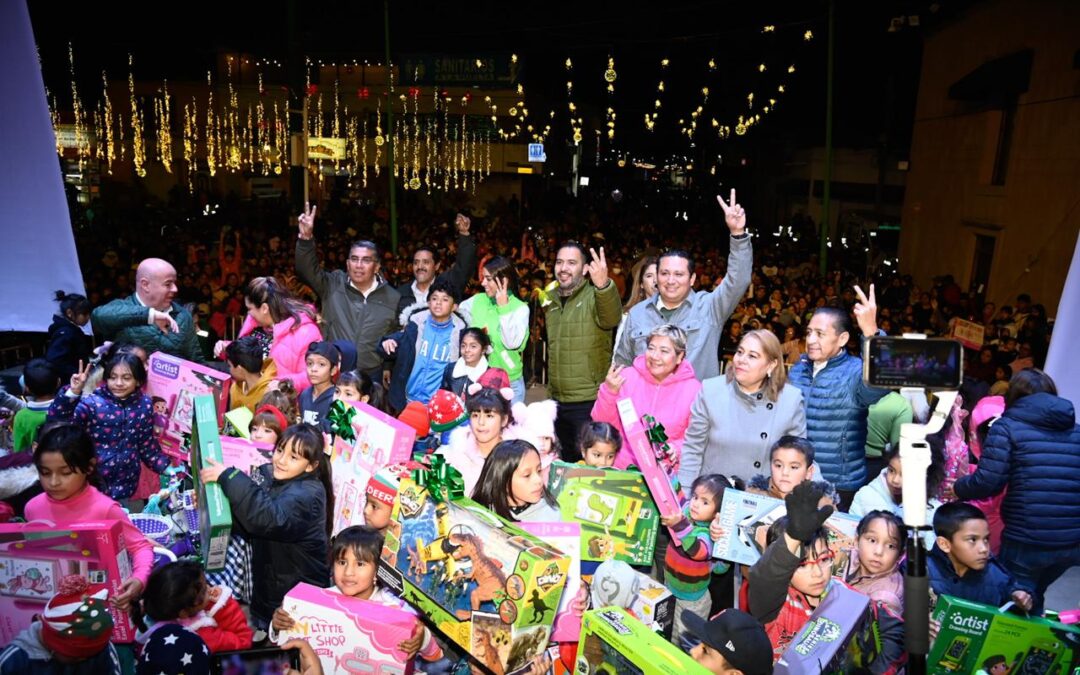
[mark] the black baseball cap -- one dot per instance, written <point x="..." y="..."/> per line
<point x="737" y="636"/>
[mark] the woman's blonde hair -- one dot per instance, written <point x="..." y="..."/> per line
<point x="770" y="349"/>
<point x="637" y="288"/>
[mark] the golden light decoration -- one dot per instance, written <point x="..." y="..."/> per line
<point x="479" y="63"/>
<point x="761" y="68"/>
<point x="569" y="86"/>
<point x="211" y="129"/>
<point x="138" y="148"/>
<point x="610" y="74"/>
<point x="664" y="62"/>
<point x="657" y="103"/>
<point x="705" y="91"/>
<point x="791" y="68"/>
<point x="780" y="89"/>
<point x="512" y="112"/>
<point x="569" y="63"/>
<point x="808" y="35"/>
<point x="611" y="89"/>
<point x="414" y="183"/>
<point x="513" y="58"/>
<point x="740" y="129"/>
<point x="661" y="87"/>
<point x="520" y="89"/>
<point x="110" y="129"/>
<point x="577" y="136"/>
<point x="768" y="29"/>
<point x="712" y="64"/>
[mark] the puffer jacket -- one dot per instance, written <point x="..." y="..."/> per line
<point x="285" y="521"/>
<point x="1034" y="449"/>
<point x="668" y="401"/>
<point x="415" y="321"/>
<point x="67" y="345"/>
<point x="836" y="408"/>
<point x="289" y="347"/>
<point x="347" y="314"/>
<point x="579" y="340"/>
<point x="125" y="320"/>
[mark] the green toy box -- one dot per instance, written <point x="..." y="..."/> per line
<point x="618" y="517"/>
<point x="615" y="643"/>
<point x="215" y="516"/>
<point x="976" y="638"/>
<point x="486" y="584"/>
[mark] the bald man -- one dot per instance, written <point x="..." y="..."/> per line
<point x="149" y="317"/>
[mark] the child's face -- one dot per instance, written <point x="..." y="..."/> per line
<point x="471" y="350"/>
<point x="354" y="577"/>
<point x="879" y="547"/>
<point x="894" y="479"/>
<point x="527" y="485"/>
<point x="969" y="548"/>
<point x="289" y="462"/>
<point x="57" y="479"/>
<point x="260" y="433"/>
<point x="702" y="505"/>
<point x="441" y="305"/>
<point x="346" y="392"/>
<point x="789" y="468"/>
<point x="160" y="408"/>
<point x="711" y="660"/>
<point x="600" y="454"/>
<point x="121" y="381"/>
<point x="376" y="514"/>
<point x="486" y="425"/>
<point x="999" y="374"/>
<point x="319" y="369"/>
<point x="80" y="319"/>
<point x="812" y="575"/>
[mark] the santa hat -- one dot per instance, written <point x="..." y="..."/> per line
<point x="415" y="415"/>
<point x="494" y="378"/>
<point x="173" y="650"/>
<point x="76" y="622"/>
<point x="446" y="411"/>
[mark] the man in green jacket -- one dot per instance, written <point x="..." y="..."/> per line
<point x="149" y="318"/>
<point x="580" y="318"/>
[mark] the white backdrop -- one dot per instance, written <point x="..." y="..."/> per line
<point x="37" y="249"/>
<point x="1062" y="365"/>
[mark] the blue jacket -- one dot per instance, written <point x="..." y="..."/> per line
<point x="836" y="409"/>
<point x="67" y="345"/>
<point x="414" y="318"/>
<point x="992" y="585"/>
<point x="1034" y="449"/>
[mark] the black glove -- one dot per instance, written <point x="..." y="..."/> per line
<point x="804" y="516"/>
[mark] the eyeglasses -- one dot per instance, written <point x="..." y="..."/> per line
<point x="825" y="561"/>
<point x="366" y="260"/>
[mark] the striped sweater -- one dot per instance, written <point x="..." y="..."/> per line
<point x="687" y="562"/>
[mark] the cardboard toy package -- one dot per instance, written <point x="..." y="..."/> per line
<point x="654" y="605"/>
<point x="349" y="635"/>
<point x="566" y="537"/>
<point x="245" y="454"/>
<point x="746" y="517"/>
<point x="828" y="642"/>
<point x="615" y="643"/>
<point x="35" y="556"/>
<point x="976" y="638"/>
<point x="172" y="384"/>
<point x="215" y="516"/>
<point x="377" y="440"/>
<point x="617" y="514"/>
<point x="486" y="584"/>
<point x="663" y="486"/>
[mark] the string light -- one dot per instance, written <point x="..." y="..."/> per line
<point x="110" y="141"/>
<point x="82" y="137"/>
<point x="162" y="119"/>
<point x="138" y="149"/>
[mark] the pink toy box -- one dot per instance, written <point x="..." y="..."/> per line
<point x="244" y="454"/>
<point x="173" y="383"/>
<point x="661" y="484"/>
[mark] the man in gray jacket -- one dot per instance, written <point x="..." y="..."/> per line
<point x="701" y="314"/>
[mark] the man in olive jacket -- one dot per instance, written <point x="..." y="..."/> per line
<point x="355" y="304"/>
<point x="580" y="318"/>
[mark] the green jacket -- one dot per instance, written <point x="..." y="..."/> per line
<point x="579" y="341"/>
<point x="125" y="320"/>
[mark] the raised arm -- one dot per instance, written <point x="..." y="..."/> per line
<point x="726" y="296"/>
<point x="308" y="266"/>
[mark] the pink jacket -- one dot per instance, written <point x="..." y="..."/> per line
<point x="289" y="350"/>
<point x="668" y="401"/>
<point x="987" y="408"/>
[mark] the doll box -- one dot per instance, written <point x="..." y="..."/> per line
<point x="349" y="635"/>
<point x="617" y="515"/>
<point x="661" y="485"/>
<point x="567" y="538"/>
<point x="615" y="643"/>
<point x="172" y="384"/>
<point x="35" y="556"/>
<point x="215" y="516"/>
<point x="244" y="454"/>
<point x="380" y="440"/>
<point x="487" y="585"/>
<point x="825" y="644"/>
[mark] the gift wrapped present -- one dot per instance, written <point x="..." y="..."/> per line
<point x="215" y="516"/>
<point x="173" y="384"/>
<point x="613" y="642"/>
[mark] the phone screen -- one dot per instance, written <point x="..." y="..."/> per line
<point x="256" y="661"/>
<point x="895" y="362"/>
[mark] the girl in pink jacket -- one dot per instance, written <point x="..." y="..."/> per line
<point x="661" y="383"/>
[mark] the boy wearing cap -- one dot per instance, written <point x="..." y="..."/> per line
<point x="732" y="643"/>
<point x="323" y="364"/>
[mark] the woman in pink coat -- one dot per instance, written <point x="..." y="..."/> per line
<point x="284" y="325"/>
<point x="661" y="383"/>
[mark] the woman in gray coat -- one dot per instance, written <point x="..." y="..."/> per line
<point x="737" y="416"/>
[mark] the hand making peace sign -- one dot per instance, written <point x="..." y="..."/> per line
<point x="597" y="269"/>
<point x="306" y="221"/>
<point x="866" y="312"/>
<point x="79" y="377"/>
<point x="733" y="213"/>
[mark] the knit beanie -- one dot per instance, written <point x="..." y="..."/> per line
<point x="415" y="415"/>
<point x="174" y="650"/>
<point x="446" y="411"/>
<point x="494" y="378"/>
<point x="76" y="622"/>
<point x="382" y="487"/>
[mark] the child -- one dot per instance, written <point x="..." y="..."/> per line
<point x="355" y="557"/>
<point x="379" y="503"/>
<point x="489" y="416"/>
<point x="730" y="642"/>
<point x="267" y="425"/>
<point x="873" y="565"/>
<point x="40" y="383"/>
<point x="119" y="418"/>
<point x="286" y="510"/>
<point x="178" y="593"/>
<point x="250" y="371"/>
<point x="535" y="423"/>
<point x="423" y="348"/>
<point x="885" y="493"/>
<point x="285" y="399"/>
<point x="67" y="344"/>
<point x="960" y="564"/>
<point x="511" y="485"/>
<point x="599" y="443"/>
<point x="474" y="347"/>
<point x="688" y="562"/>
<point x="323" y="363"/>
<point x="355" y="387"/>
<point x="1002" y="375"/>
<point x="67" y="470"/>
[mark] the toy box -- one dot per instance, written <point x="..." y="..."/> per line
<point x="827" y="643"/>
<point x="663" y="487"/>
<point x="976" y="637"/>
<point x="615" y="643"/>
<point x="172" y="384"/>
<point x="35" y="556"/>
<point x="350" y="635"/>
<point x="654" y="605"/>
<point x="566" y="537"/>
<point x="486" y="584"/>
<point x="746" y="518"/>
<point x="617" y="515"/>
<point x="244" y="454"/>
<point x="378" y="440"/>
<point x="215" y="516"/>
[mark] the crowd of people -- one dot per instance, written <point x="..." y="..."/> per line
<point x="746" y="356"/>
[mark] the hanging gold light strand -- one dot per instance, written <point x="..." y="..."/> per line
<point x="609" y="76"/>
<point x="575" y="125"/>
<point x="650" y="118"/>
<point x="211" y="129"/>
<point x="163" y="114"/>
<point x="82" y="133"/>
<point x="138" y="148"/>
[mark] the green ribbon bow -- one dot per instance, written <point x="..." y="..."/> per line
<point x="655" y="433"/>
<point x="340" y="417"/>
<point x="442" y="481"/>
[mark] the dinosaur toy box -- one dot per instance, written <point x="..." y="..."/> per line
<point x="567" y="538"/>
<point x="350" y="635"/>
<point x="35" y="556"/>
<point x="487" y="585"/>
<point x="975" y="638"/>
<point x="617" y="515"/>
<point x="615" y="643"/>
<point x="172" y="384"/>
<point x="215" y="516"/>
